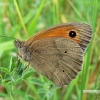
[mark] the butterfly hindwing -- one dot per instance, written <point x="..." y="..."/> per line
<point x="58" y="59"/>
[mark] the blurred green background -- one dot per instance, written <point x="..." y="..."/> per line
<point x="21" y="19"/>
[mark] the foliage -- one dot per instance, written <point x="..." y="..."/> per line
<point x="22" y="19"/>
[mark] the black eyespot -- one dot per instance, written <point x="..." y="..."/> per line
<point x="65" y="52"/>
<point x="63" y="70"/>
<point x="72" y="34"/>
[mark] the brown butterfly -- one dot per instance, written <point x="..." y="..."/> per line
<point x="57" y="52"/>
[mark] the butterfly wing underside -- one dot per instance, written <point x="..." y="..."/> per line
<point x="59" y="59"/>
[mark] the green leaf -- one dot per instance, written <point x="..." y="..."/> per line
<point x="18" y="80"/>
<point x="27" y="74"/>
<point x="41" y="90"/>
<point x="30" y="97"/>
<point x="37" y="81"/>
<point x="3" y="95"/>
<point x="11" y="66"/>
<point x="5" y="70"/>
<point x="49" y="94"/>
<point x="54" y="88"/>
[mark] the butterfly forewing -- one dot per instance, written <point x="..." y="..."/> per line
<point x="83" y="33"/>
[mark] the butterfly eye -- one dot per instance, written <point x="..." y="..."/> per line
<point x="72" y="34"/>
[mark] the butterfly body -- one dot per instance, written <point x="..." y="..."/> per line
<point x="57" y="53"/>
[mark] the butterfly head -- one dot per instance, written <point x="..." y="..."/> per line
<point x="22" y="50"/>
<point x="19" y="44"/>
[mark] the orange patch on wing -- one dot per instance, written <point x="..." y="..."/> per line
<point x="62" y="31"/>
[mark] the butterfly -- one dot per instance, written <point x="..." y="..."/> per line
<point x="57" y="52"/>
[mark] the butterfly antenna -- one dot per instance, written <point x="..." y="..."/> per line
<point x="8" y="37"/>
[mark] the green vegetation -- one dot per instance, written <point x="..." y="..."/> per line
<point x="21" y="19"/>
